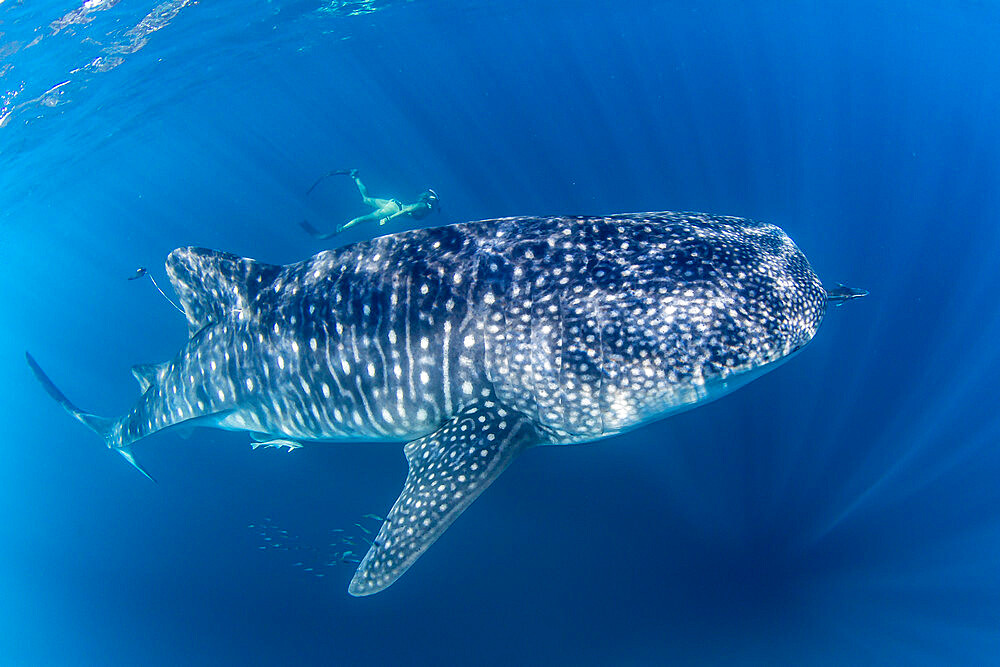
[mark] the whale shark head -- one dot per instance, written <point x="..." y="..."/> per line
<point x="747" y="291"/>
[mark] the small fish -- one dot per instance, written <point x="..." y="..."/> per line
<point x="363" y="528"/>
<point x="373" y="517"/>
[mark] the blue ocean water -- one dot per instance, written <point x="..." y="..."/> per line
<point x="843" y="509"/>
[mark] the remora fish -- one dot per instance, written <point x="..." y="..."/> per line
<point x="472" y="342"/>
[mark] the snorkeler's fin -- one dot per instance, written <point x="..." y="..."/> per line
<point x="312" y="231"/>
<point x="335" y="172"/>
<point x="316" y="234"/>
<point x="102" y="426"/>
<point x="448" y="470"/>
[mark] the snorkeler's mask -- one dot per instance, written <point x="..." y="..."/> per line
<point x="430" y="198"/>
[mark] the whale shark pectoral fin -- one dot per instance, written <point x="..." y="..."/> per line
<point x="126" y="453"/>
<point x="448" y="470"/>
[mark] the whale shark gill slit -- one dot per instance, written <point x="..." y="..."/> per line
<point x="448" y="470"/>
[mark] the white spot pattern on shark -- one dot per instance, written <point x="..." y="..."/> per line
<point x="472" y="342"/>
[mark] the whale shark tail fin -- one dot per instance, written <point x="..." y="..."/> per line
<point x="216" y="286"/>
<point x="102" y="426"/>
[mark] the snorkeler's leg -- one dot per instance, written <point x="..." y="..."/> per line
<point x="367" y="198"/>
<point x="361" y="219"/>
<point x="322" y="236"/>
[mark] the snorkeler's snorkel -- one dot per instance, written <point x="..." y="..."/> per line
<point x="430" y="198"/>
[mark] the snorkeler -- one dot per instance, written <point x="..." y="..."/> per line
<point x="385" y="209"/>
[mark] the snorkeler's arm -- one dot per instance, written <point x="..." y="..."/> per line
<point x="417" y="211"/>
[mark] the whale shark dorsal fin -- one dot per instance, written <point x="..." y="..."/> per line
<point x="149" y="374"/>
<point x="448" y="470"/>
<point x="215" y="286"/>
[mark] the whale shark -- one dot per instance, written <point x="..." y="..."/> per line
<point x="472" y="342"/>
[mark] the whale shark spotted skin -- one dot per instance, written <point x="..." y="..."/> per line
<point x="470" y="343"/>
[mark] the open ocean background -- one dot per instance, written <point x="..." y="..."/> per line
<point x="844" y="509"/>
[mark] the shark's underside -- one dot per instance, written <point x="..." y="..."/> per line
<point x="472" y="342"/>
